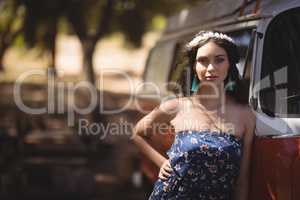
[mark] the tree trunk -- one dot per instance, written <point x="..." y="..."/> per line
<point x="88" y="48"/>
<point x="2" y="52"/>
<point x="52" y="67"/>
<point x="52" y="47"/>
<point x="4" y="44"/>
<point x="88" y="66"/>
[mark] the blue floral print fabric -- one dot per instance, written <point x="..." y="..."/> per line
<point x="205" y="166"/>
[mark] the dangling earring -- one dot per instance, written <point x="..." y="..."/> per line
<point x="231" y="85"/>
<point x="195" y="84"/>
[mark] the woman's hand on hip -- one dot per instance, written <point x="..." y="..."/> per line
<point x="165" y="170"/>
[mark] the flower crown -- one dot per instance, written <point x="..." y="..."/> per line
<point x="205" y="35"/>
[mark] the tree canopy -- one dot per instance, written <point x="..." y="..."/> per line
<point x="11" y="25"/>
<point x="90" y="21"/>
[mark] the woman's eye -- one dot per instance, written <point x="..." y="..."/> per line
<point x="219" y="60"/>
<point x="203" y="61"/>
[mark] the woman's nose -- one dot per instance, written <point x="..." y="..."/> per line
<point x="210" y="67"/>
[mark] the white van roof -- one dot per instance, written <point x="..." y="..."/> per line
<point x="226" y="10"/>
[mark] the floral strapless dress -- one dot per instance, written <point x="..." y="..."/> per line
<point x="205" y="166"/>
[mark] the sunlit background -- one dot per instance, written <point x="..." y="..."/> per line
<point x="102" y="42"/>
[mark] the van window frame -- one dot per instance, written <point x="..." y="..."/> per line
<point x="258" y="74"/>
<point x="148" y="66"/>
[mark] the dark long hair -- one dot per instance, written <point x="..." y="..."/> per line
<point x="234" y="86"/>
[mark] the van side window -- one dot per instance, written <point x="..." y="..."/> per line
<point x="243" y="39"/>
<point x="158" y="65"/>
<point x="179" y="71"/>
<point x="280" y="83"/>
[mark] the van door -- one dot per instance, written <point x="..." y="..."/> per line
<point x="275" y="95"/>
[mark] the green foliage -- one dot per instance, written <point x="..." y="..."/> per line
<point x="6" y="9"/>
<point x="11" y="16"/>
<point x="90" y="20"/>
<point x="135" y="17"/>
<point x="11" y="23"/>
<point x="19" y="41"/>
<point x="158" y="22"/>
<point x="87" y="18"/>
<point x="41" y="21"/>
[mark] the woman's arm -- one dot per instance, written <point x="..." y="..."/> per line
<point x="241" y="190"/>
<point x="151" y="124"/>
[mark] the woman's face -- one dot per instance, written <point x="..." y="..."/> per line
<point x="212" y="63"/>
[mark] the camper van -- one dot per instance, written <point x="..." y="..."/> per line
<point x="268" y="34"/>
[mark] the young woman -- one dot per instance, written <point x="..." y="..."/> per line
<point x="213" y="128"/>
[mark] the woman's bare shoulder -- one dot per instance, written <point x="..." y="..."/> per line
<point x="244" y="110"/>
<point x="245" y="114"/>
<point x="248" y="112"/>
<point x="248" y="117"/>
<point x="172" y="105"/>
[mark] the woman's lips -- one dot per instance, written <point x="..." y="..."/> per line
<point x="211" y="77"/>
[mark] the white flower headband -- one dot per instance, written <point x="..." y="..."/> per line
<point x="205" y="35"/>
